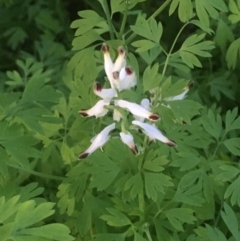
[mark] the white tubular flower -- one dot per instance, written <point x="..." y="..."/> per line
<point x="137" y="110"/>
<point x="97" y="110"/>
<point x="153" y="133"/>
<point x="108" y="64"/>
<point x="120" y="61"/>
<point x="145" y="103"/>
<point x="105" y="94"/>
<point x="128" y="140"/>
<point x="98" y="141"/>
<point x="127" y="79"/>
<point x="182" y="95"/>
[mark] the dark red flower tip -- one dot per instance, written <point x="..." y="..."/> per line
<point x="190" y="84"/>
<point x="83" y="155"/>
<point x="98" y="87"/>
<point x="105" y="48"/>
<point x="83" y="112"/>
<point x="121" y="50"/>
<point x="154" y="117"/>
<point x="134" y="150"/>
<point x="171" y="143"/>
<point x="128" y="70"/>
<point x="115" y="74"/>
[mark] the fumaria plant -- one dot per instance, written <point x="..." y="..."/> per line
<point x="134" y="134"/>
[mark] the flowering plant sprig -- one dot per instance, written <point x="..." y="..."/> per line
<point x="122" y="77"/>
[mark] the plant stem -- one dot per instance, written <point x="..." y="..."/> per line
<point x="148" y="235"/>
<point x="48" y="176"/>
<point x="123" y="21"/>
<point x="166" y="63"/>
<point x="157" y="12"/>
<point x="107" y="12"/>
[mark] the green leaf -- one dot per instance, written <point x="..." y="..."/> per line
<point x="109" y="237"/>
<point x="55" y="231"/>
<point x="155" y="183"/>
<point x="191" y="47"/>
<point x="229" y="172"/>
<point x="143" y="45"/>
<point x="138" y="237"/>
<point x="232" y="123"/>
<point x="135" y="184"/>
<point x="205" y="8"/>
<point x="84" y="220"/>
<point x="233" y="145"/>
<point x="178" y="216"/>
<point x="214" y="234"/>
<point x="231" y="221"/>
<point x="151" y="77"/>
<point x="233" y="191"/>
<point x="156" y="164"/>
<point x="103" y="171"/>
<point x="212" y="124"/>
<point x="184" y="110"/>
<point x="29" y="214"/>
<point x="235" y="10"/>
<point x="233" y="53"/>
<point x="150" y="30"/>
<point x="116" y="219"/>
<point x="185" y="161"/>
<point x="185" y="9"/>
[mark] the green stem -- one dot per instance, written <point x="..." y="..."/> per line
<point x="107" y="12"/>
<point x="157" y="12"/>
<point x="123" y="21"/>
<point x="48" y="176"/>
<point x="166" y="64"/>
<point x="141" y="204"/>
<point x="148" y="235"/>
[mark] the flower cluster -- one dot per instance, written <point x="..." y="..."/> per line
<point x="122" y="77"/>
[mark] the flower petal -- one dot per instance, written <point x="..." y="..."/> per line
<point x="97" y="110"/>
<point x="98" y="141"/>
<point x="129" y="80"/>
<point x="128" y="140"/>
<point x="105" y="94"/>
<point x="152" y="132"/>
<point x="145" y="103"/>
<point x="137" y="110"/>
<point x="121" y="60"/>
<point x="108" y="64"/>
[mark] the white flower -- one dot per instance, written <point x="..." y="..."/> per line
<point x="128" y="140"/>
<point x="182" y="95"/>
<point x="145" y="103"/>
<point x="105" y="94"/>
<point x="97" y="110"/>
<point x="153" y="133"/>
<point x="137" y="110"/>
<point x="119" y="76"/>
<point x="98" y="141"/>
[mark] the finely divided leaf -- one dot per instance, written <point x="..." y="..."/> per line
<point x="233" y="191"/>
<point x="116" y="219"/>
<point x="206" y="8"/>
<point x="233" y="53"/>
<point x="234" y="8"/>
<point x="178" y="216"/>
<point x="185" y="9"/>
<point x="231" y="221"/>
<point x="191" y="47"/>
<point x="233" y="145"/>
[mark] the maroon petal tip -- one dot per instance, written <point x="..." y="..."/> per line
<point x="105" y="48"/>
<point x="190" y="84"/>
<point x="154" y="117"/>
<point x="134" y="150"/>
<point x="83" y="112"/>
<point x="128" y="70"/>
<point x="121" y="50"/>
<point x="171" y="143"/>
<point x="98" y="87"/>
<point x="83" y="155"/>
